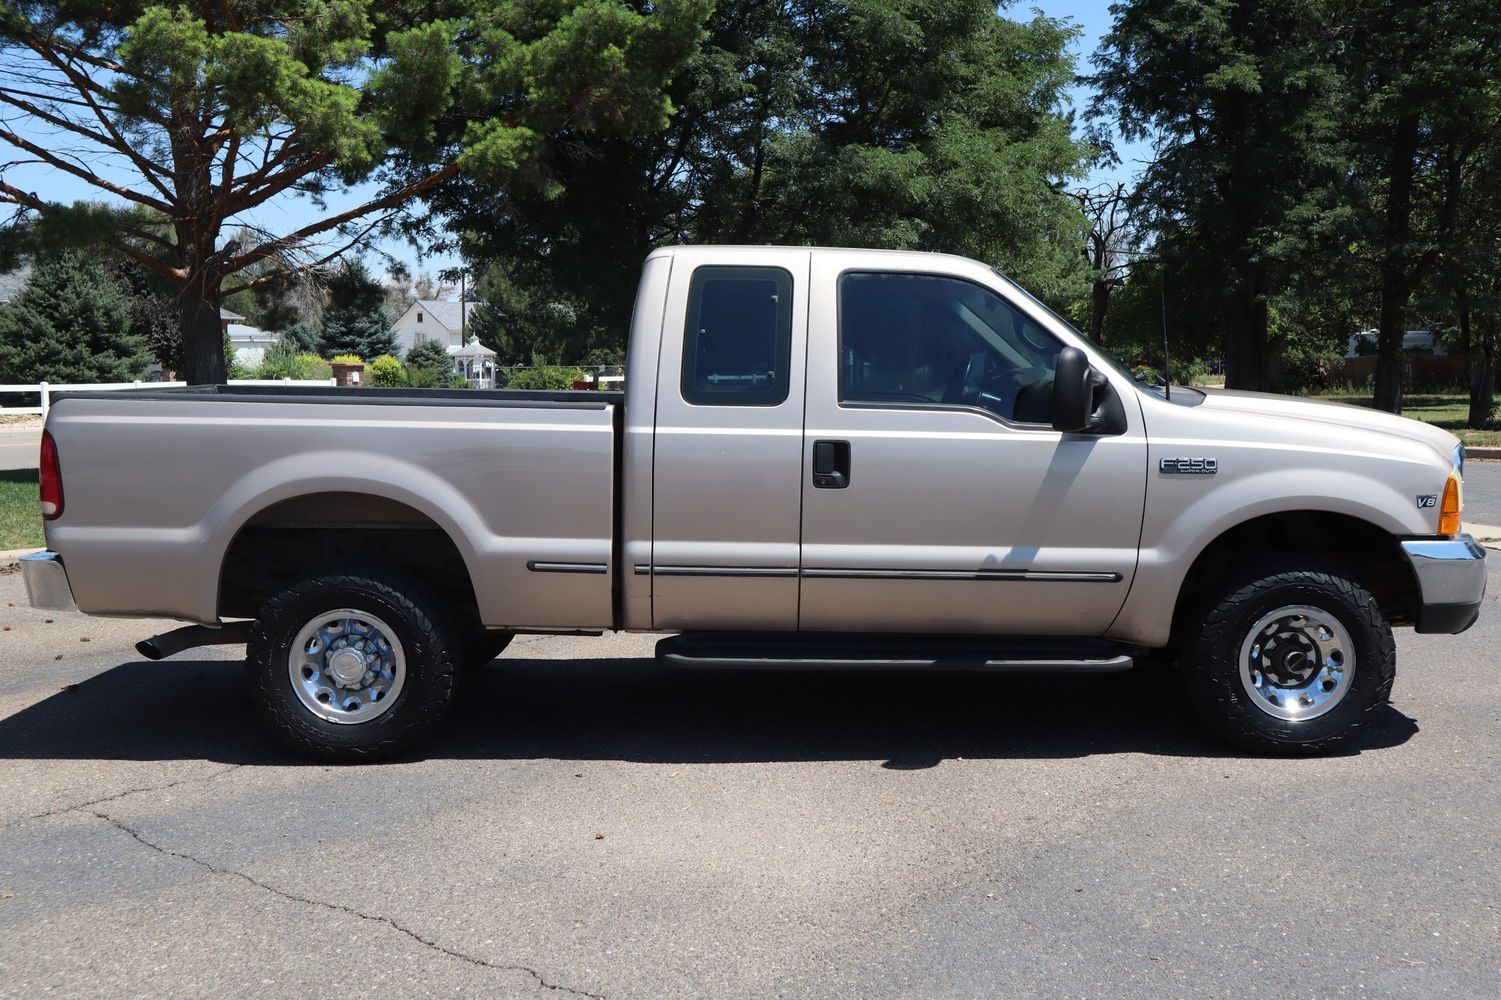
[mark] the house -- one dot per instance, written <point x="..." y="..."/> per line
<point x="249" y="342"/>
<point x="433" y="319"/>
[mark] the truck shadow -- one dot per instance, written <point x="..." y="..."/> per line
<point x="635" y="710"/>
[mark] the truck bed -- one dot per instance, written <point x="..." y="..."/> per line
<point x="166" y="486"/>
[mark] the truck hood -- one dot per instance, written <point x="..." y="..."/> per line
<point x="1339" y="415"/>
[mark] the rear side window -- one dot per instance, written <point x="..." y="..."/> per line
<point x="737" y="345"/>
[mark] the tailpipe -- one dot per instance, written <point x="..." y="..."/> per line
<point x="189" y="636"/>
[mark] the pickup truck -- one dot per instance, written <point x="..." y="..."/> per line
<point x="844" y="459"/>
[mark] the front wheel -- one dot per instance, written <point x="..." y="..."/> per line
<point x="352" y="667"/>
<point x="1289" y="661"/>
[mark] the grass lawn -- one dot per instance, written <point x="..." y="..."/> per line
<point x="1448" y="411"/>
<point x="20" y="518"/>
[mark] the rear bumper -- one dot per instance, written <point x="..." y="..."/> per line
<point x="47" y="582"/>
<point x="1451" y="581"/>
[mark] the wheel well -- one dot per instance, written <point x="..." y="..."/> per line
<point x="333" y="532"/>
<point x="1373" y="555"/>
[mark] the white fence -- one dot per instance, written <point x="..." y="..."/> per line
<point x="45" y="389"/>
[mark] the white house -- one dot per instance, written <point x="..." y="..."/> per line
<point x="249" y="342"/>
<point x="433" y="319"/>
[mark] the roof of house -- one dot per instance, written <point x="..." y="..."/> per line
<point x="445" y="312"/>
<point x="243" y="333"/>
<point x="472" y="349"/>
<point x="230" y="315"/>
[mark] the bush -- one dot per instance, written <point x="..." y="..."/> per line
<point x="387" y="372"/>
<point x="283" y="359"/>
<point x="351" y="359"/>
<point x="544" y="377"/>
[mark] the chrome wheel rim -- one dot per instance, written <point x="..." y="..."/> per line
<point x="347" y="666"/>
<point x="1297" y="663"/>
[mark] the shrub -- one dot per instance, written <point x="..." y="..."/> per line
<point x="387" y="372"/>
<point x="544" y="377"/>
<point x="351" y="359"/>
<point x="283" y="360"/>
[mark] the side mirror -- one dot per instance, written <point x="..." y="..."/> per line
<point x="1075" y="383"/>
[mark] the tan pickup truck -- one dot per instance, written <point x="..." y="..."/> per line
<point x="833" y="458"/>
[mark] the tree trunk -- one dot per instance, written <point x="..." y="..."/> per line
<point x="1482" y="374"/>
<point x="1245" y="348"/>
<point x="202" y="337"/>
<point x="1099" y="303"/>
<point x="1390" y="328"/>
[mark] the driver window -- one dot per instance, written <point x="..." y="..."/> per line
<point x="920" y="339"/>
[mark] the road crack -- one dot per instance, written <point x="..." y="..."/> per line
<point x="132" y="791"/>
<point x="341" y="908"/>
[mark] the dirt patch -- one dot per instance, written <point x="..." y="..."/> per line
<point x="10" y="569"/>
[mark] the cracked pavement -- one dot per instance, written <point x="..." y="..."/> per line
<point x="588" y="823"/>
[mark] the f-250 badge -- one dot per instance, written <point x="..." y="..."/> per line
<point x="1190" y="466"/>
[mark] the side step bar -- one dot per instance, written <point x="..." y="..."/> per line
<point x="805" y="651"/>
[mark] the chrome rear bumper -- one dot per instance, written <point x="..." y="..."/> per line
<point x="47" y="582"/>
<point x="1451" y="581"/>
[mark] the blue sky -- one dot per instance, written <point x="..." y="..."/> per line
<point x="288" y="213"/>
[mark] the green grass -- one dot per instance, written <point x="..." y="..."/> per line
<point x="20" y="517"/>
<point x="1447" y="410"/>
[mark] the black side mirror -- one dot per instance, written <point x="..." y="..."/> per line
<point x="1075" y="384"/>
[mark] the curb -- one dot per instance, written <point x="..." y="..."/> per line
<point x="1485" y="454"/>
<point x="14" y="555"/>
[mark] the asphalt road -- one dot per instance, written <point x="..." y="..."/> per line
<point x="1482" y="493"/>
<point x="589" y="823"/>
<point x="18" y="446"/>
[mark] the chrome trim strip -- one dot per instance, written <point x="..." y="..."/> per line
<point x="777" y="571"/>
<point x="1448" y="570"/>
<point x="1024" y="575"/>
<point x="539" y="566"/>
<point x="47" y="586"/>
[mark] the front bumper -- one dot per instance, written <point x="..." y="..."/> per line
<point x="1451" y="581"/>
<point x="47" y="582"/>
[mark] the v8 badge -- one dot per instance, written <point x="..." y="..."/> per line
<point x="1427" y="500"/>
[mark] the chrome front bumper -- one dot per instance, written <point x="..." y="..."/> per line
<point x="47" y="582"/>
<point x="1451" y="581"/>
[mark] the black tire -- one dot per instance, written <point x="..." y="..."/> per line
<point x="427" y="641"/>
<point x="1211" y="657"/>
<point x="478" y="646"/>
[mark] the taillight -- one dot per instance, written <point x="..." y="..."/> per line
<point x="51" y="477"/>
<point x="1448" y="513"/>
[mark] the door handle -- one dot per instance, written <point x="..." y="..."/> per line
<point x="831" y="465"/>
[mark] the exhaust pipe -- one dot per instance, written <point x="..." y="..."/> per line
<point x="189" y="636"/>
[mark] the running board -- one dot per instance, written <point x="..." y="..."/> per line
<point x="804" y="651"/>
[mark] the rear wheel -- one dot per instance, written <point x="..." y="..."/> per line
<point x="352" y="667"/>
<point x="1289" y="660"/>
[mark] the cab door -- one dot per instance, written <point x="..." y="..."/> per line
<point x="938" y="498"/>
<point x="727" y="465"/>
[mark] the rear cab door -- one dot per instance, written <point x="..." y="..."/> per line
<point x="727" y="462"/>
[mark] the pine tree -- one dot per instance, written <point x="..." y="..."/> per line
<point x="70" y="324"/>
<point x="357" y="320"/>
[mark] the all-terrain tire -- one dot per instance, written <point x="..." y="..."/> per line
<point x="427" y="640"/>
<point x="1217" y="632"/>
